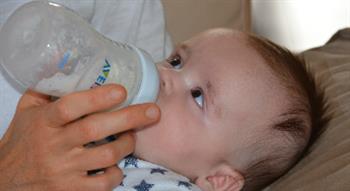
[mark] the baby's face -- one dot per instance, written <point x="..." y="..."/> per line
<point x="217" y="95"/>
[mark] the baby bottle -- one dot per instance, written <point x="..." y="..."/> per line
<point x="47" y="47"/>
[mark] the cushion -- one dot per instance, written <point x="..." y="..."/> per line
<point x="326" y="165"/>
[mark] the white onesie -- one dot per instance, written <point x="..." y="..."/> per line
<point x="141" y="175"/>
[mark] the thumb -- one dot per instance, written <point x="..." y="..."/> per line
<point x="31" y="98"/>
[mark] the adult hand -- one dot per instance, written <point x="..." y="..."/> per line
<point x="43" y="146"/>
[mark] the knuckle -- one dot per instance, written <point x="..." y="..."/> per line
<point x="110" y="155"/>
<point x="94" y="99"/>
<point x="89" y="130"/>
<point x="62" y="111"/>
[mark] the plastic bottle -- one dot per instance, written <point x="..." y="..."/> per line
<point x="49" y="48"/>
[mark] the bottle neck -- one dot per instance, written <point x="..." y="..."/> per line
<point x="149" y="86"/>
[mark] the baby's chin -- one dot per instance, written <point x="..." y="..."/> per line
<point x="139" y="131"/>
<point x="140" y="146"/>
<point x="144" y="142"/>
<point x="145" y="135"/>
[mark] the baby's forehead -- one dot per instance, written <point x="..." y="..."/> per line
<point x="226" y="54"/>
<point x="224" y="48"/>
<point x="220" y="35"/>
<point x="246" y="89"/>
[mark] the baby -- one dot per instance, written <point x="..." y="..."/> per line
<point x="237" y="113"/>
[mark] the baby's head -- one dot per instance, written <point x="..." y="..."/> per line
<point x="237" y="112"/>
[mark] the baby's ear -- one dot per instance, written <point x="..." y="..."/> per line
<point x="223" y="178"/>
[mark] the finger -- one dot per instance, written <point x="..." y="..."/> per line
<point x="106" y="155"/>
<point x="98" y="126"/>
<point x="31" y="98"/>
<point x="110" y="179"/>
<point x="78" y="104"/>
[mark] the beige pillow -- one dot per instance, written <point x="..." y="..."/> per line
<point x="327" y="164"/>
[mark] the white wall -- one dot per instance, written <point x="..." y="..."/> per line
<point x="299" y="24"/>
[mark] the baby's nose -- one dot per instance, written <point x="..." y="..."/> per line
<point x="166" y="82"/>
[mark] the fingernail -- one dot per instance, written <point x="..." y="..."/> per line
<point x="114" y="94"/>
<point x="152" y="112"/>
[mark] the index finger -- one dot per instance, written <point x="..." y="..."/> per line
<point x="98" y="126"/>
<point x="73" y="106"/>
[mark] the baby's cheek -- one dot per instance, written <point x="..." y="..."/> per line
<point x="173" y="134"/>
<point x="174" y="142"/>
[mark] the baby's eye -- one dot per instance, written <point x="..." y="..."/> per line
<point x="197" y="94"/>
<point x="175" y="61"/>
